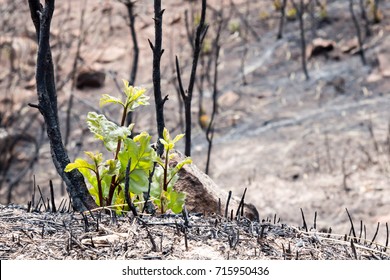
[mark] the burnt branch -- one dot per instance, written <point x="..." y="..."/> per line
<point x="282" y="18"/>
<point x="127" y="190"/>
<point x="134" y="65"/>
<point x="187" y="96"/>
<point x="157" y="53"/>
<point x="358" y="32"/>
<point x="210" y="128"/>
<point x="47" y="97"/>
<point x="300" y="11"/>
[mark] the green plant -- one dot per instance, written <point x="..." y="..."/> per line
<point x="107" y="177"/>
<point x="234" y="26"/>
<point x="277" y="5"/>
<point x="165" y="177"/>
<point x="291" y="13"/>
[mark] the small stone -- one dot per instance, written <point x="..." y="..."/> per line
<point x="228" y="99"/>
<point x="89" y="77"/>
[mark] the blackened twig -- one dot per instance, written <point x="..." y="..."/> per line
<point x="227" y="204"/>
<point x="127" y="189"/>
<point x="352" y="226"/>
<point x="376" y="233"/>
<point x="304" y="221"/>
<point x="354" y="249"/>
<point x="187" y="96"/>
<point x="184" y="212"/>
<point x="358" y="32"/>
<point x="282" y="18"/>
<point x="53" y="204"/>
<point x="365" y="18"/>
<point x="387" y="236"/>
<point x="210" y="128"/>
<point x="241" y="205"/>
<point x="154" y="245"/>
<point x="300" y="11"/>
<point x="134" y="65"/>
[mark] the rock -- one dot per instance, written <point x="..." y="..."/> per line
<point x="320" y="46"/>
<point x="89" y="77"/>
<point x="350" y="46"/>
<point x="203" y="194"/>
<point x="384" y="63"/>
<point x="228" y="99"/>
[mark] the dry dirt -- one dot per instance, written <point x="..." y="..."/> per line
<point x="321" y="145"/>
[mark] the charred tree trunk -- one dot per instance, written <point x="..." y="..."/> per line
<point x="358" y="32"/>
<point x="300" y="11"/>
<point x="282" y="18"/>
<point x="187" y="96"/>
<point x="47" y="97"/>
<point x="157" y="53"/>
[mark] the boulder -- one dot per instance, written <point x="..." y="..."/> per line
<point x="203" y="194"/>
<point x="320" y="46"/>
<point x="90" y="78"/>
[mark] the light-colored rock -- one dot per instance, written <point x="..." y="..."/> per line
<point x="203" y="194"/>
<point x="384" y="63"/>
<point x="228" y="99"/>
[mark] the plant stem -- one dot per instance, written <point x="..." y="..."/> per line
<point x="114" y="184"/>
<point x="100" y="189"/>
<point x="165" y="186"/>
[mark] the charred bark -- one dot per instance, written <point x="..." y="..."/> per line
<point x="47" y="97"/>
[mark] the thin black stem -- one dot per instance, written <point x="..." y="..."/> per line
<point x="187" y="96"/>
<point x="304" y="221"/>
<point x="210" y="128"/>
<point x="352" y="226"/>
<point x="134" y="66"/>
<point x="358" y="32"/>
<point x="300" y="11"/>
<point x="282" y="18"/>
<point x="127" y="189"/>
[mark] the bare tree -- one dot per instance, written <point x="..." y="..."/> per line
<point x="134" y="65"/>
<point x="187" y="96"/>
<point x="210" y="128"/>
<point x="157" y="53"/>
<point x="358" y="32"/>
<point x="300" y="11"/>
<point x="47" y="97"/>
<point x="363" y="15"/>
<point x="282" y="18"/>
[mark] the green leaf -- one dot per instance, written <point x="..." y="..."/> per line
<point x="107" y="131"/>
<point x="106" y="98"/>
<point x="139" y="181"/>
<point x="135" y="96"/>
<point x="178" y="137"/>
<point x="166" y="135"/>
<point x="185" y="161"/>
<point x="79" y="164"/>
<point x="176" y="201"/>
<point x="165" y="143"/>
<point x="110" y="168"/>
